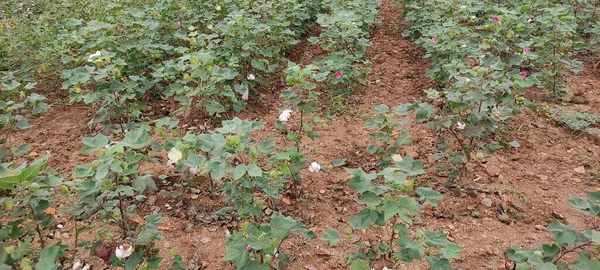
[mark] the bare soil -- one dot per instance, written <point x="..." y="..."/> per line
<point x="534" y="181"/>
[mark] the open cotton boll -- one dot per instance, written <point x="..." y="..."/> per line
<point x="124" y="251"/>
<point x="314" y="167"/>
<point x="461" y="125"/>
<point x="285" y="115"/>
<point x="95" y="55"/>
<point x="174" y="155"/>
<point x="251" y="77"/>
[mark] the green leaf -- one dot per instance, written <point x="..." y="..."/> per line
<point x="514" y="144"/>
<point x="48" y="257"/>
<point x="429" y="195"/>
<point x="410" y="166"/>
<point x="26" y="175"/>
<point x="411" y="250"/>
<point x="438" y="264"/>
<point x="267" y="147"/>
<point x="404" y="207"/>
<point x="370" y="199"/>
<point x="363" y="219"/>
<point x="585" y="263"/>
<point x="21" y="150"/>
<point x="134" y="260"/>
<point x="339" y="162"/>
<point x="137" y="139"/>
<point x="435" y="238"/>
<point x="404" y="139"/>
<point x="282" y="226"/>
<point x="23" y="124"/>
<point x="254" y="170"/>
<point x="239" y="171"/>
<point x="359" y="265"/>
<point x="451" y="251"/>
<point x="238" y="254"/>
<point x="381" y="109"/>
<point x="92" y="144"/>
<point x="332" y="236"/>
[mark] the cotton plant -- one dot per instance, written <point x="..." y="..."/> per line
<point x="115" y="177"/>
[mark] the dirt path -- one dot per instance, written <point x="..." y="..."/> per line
<point x="538" y="177"/>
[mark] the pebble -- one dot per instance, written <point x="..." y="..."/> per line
<point x="189" y="228"/>
<point x="487" y="202"/>
<point x="539" y="227"/>
<point x="475" y="214"/>
<point x="579" y="170"/>
<point x="205" y="240"/>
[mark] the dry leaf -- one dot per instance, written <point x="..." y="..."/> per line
<point x="286" y="201"/>
<point x="136" y="219"/>
<point x="163" y="228"/>
<point x="50" y="211"/>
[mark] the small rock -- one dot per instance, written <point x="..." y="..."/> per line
<point x="205" y="240"/>
<point x="189" y="227"/>
<point x="487" y="202"/>
<point x="502" y="216"/>
<point x="576" y="180"/>
<point x="557" y="215"/>
<point x="451" y="227"/>
<point x="579" y="170"/>
<point x="33" y="154"/>
<point x="539" y="227"/>
<point x="168" y="206"/>
<point x="475" y="214"/>
<point x="322" y="191"/>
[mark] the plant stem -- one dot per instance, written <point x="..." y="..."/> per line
<point x="38" y="229"/>
<point x="392" y="238"/>
<point x="122" y="221"/>
<point x="571" y="251"/>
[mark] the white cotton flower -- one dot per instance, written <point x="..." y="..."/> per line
<point x="396" y="158"/>
<point x="124" y="251"/>
<point x="461" y="125"/>
<point x="385" y="268"/>
<point x="463" y="7"/>
<point x="79" y="265"/>
<point x="95" y="55"/>
<point x="251" y="77"/>
<point x="285" y="115"/>
<point x="107" y="146"/>
<point x="175" y="155"/>
<point x="218" y="8"/>
<point x="314" y="167"/>
<point x="194" y="170"/>
<point x="245" y="95"/>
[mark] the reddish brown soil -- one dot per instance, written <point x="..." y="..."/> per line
<point x="538" y="177"/>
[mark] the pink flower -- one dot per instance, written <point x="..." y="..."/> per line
<point x="339" y="74"/>
<point x="328" y="39"/>
<point x="434" y="40"/>
<point x="495" y="19"/>
<point x="523" y="74"/>
<point x="526" y="50"/>
<point x="178" y="24"/>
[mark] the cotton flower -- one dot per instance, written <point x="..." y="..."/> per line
<point x="526" y="50"/>
<point x="124" y="251"/>
<point x="107" y="146"/>
<point x="339" y="74"/>
<point x="251" y="77"/>
<point x="314" y="167"/>
<point x="461" y="125"/>
<point x="495" y="19"/>
<point x="328" y="39"/>
<point x="175" y="155"/>
<point x="194" y="170"/>
<point x="463" y="7"/>
<point x="245" y="95"/>
<point x="434" y="39"/>
<point x="285" y="115"/>
<point x="95" y="55"/>
<point x="79" y="265"/>
<point x="523" y="74"/>
<point x="179" y="24"/>
<point x="218" y="8"/>
<point x="396" y="158"/>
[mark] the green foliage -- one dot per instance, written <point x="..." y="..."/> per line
<point x="388" y="202"/>
<point x="29" y="191"/>
<point x="578" y="121"/>
<point x="566" y="240"/>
